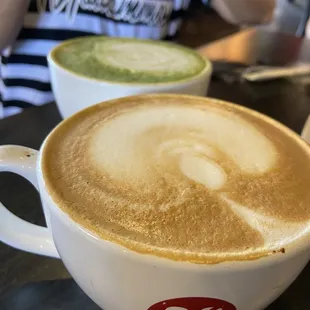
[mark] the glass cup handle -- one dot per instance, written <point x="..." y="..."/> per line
<point x="14" y="231"/>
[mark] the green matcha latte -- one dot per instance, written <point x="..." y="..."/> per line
<point x="129" y="60"/>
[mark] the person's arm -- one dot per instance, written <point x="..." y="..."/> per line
<point x="245" y="11"/>
<point x="11" y="20"/>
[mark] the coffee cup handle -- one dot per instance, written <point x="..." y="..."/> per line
<point x="14" y="231"/>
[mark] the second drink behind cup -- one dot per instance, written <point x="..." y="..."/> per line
<point x="88" y="70"/>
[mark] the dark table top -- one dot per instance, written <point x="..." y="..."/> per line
<point x="29" y="281"/>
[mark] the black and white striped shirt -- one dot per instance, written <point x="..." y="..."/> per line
<point x="24" y="76"/>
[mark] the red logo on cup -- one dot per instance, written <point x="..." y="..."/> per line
<point x="194" y="303"/>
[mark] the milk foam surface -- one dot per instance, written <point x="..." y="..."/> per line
<point x="181" y="177"/>
<point x="129" y="60"/>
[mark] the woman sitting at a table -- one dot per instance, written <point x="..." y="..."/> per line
<point x="30" y="29"/>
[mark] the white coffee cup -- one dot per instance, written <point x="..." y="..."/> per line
<point x="120" y="279"/>
<point x="74" y="92"/>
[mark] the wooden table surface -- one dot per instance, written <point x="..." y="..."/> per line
<point x="286" y="101"/>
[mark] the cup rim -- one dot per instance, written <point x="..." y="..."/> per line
<point x="51" y="60"/>
<point x="295" y="248"/>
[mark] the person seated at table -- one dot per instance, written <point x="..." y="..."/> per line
<point x="30" y="29"/>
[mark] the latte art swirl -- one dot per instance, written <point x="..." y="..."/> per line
<point x="142" y="57"/>
<point x="177" y="144"/>
<point x="129" y="60"/>
<point x="181" y="177"/>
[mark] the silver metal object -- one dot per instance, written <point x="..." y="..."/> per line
<point x="265" y="73"/>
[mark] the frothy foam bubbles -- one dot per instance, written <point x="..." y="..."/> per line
<point x="181" y="177"/>
<point x="129" y="60"/>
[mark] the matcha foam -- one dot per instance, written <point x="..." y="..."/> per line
<point x="129" y="60"/>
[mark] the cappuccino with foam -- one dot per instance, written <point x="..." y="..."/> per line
<point x="185" y="178"/>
